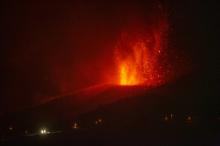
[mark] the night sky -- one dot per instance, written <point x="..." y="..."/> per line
<point x="53" y="48"/>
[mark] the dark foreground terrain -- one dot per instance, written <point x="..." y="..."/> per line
<point x="174" y="114"/>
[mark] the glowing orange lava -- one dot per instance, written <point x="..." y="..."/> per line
<point x="133" y="67"/>
<point x="138" y="58"/>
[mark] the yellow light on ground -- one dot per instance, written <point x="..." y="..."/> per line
<point x="43" y="131"/>
<point x="75" y="125"/>
<point x="10" y="128"/>
<point x="26" y="131"/>
<point x="189" y="118"/>
<point x="98" y="121"/>
<point x="166" y="118"/>
<point x="171" y="116"/>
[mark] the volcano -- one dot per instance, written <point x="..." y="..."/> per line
<point x="86" y="100"/>
<point x="70" y="107"/>
<point x="139" y="112"/>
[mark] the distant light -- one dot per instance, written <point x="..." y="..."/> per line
<point x="98" y="121"/>
<point x="43" y="131"/>
<point x="26" y="131"/>
<point x="166" y="118"/>
<point x="189" y="118"/>
<point x="171" y="116"/>
<point x="75" y="125"/>
<point x="10" y="128"/>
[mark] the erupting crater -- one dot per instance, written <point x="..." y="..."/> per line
<point x="139" y="58"/>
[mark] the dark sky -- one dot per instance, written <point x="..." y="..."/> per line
<point x="50" y="48"/>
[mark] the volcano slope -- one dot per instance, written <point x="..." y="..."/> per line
<point x="172" y="114"/>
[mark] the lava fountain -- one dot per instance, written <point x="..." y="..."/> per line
<point x="132" y="68"/>
<point x="139" y="56"/>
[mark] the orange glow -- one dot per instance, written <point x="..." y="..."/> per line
<point x="131" y="69"/>
<point x="138" y="59"/>
<point x="127" y="76"/>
